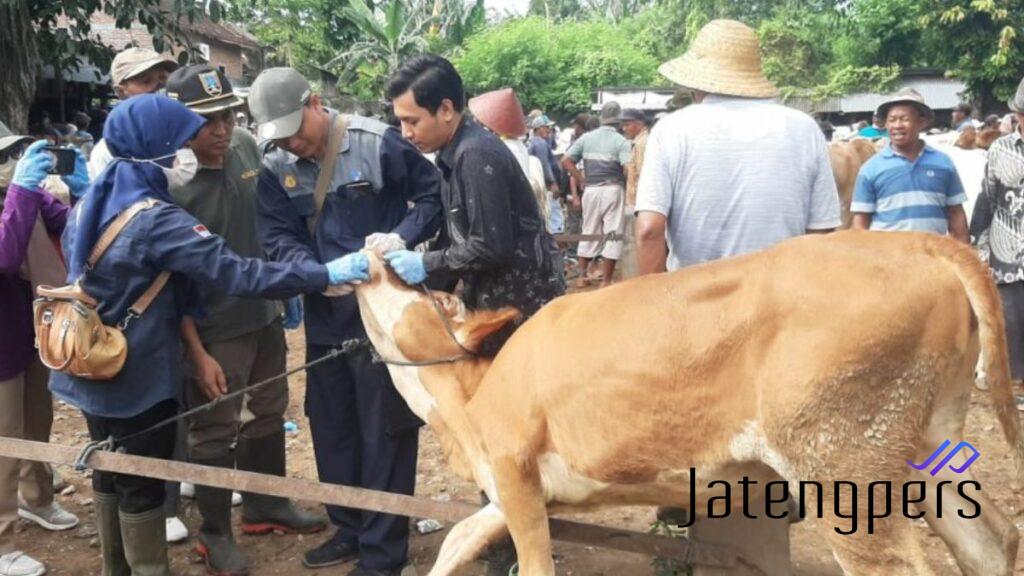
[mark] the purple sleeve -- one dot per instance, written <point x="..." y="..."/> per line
<point x="55" y="214"/>
<point x="21" y="207"/>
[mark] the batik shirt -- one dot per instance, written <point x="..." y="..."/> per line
<point x="996" y="225"/>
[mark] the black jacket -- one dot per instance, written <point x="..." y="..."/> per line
<point x="496" y="239"/>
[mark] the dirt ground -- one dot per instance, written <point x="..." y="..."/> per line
<point x="76" y="552"/>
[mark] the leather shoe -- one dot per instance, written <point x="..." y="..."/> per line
<point x="329" y="553"/>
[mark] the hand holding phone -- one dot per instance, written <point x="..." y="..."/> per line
<point x="63" y="159"/>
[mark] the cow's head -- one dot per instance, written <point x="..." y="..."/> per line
<point x="404" y="323"/>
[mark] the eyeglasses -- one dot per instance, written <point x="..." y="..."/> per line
<point x="12" y="152"/>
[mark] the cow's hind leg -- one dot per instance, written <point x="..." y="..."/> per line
<point x="985" y="544"/>
<point x="522" y="500"/>
<point x="892" y="549"/>
<point x="468" y="539"/>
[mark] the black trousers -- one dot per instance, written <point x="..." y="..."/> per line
<point x="363" y="435"/>
<point x="135" y="494"/>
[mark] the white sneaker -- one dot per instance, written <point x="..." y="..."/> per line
<point x="189" y="491"/>
<point x="176" y="530"/>
<point x="51" y="517"/>
<point x="20" y="564"/>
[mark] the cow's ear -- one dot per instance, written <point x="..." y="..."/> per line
<point x="482" y="324"/>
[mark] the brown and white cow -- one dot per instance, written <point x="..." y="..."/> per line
<point x="742" y="367"/>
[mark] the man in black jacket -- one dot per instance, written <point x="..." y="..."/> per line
<point x="497" y="241"/>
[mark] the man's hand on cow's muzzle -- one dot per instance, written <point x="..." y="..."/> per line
<point x="349" y="268"/>
<point x="408" y="265"/>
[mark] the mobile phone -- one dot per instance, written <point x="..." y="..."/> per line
<point x="64" y="160"/>
<point x="356" y="190"/>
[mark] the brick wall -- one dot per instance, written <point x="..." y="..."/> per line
<point x="103" y="28"/>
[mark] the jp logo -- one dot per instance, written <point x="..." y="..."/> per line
<point x="944" y="461"/>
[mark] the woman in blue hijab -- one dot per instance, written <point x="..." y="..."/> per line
<point x="146" y="135"/>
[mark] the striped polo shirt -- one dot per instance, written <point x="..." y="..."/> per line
<point x="909" y="196"/>
<point x="604" y="152"/>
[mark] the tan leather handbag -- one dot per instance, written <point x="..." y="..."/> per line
<point x="70" y="335"/>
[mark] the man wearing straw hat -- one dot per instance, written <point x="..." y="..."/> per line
<point x="733" y="173"/>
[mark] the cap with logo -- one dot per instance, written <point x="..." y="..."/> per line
<point x="134" y="61"/>
<point x="7" y="139"/>
<point x="202" y="88"/>
<point x="540" y="122"/>
<point x="276" y="99"/>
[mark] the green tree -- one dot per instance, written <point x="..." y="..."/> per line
<point x="302" y="34"/>
<point x="30" y="36"/>
<point x="397" y="31"/>
<point x="554" y="66"/>
<point x="978" y="41"/>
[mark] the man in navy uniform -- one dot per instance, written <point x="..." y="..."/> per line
<point x="383" y="194"/>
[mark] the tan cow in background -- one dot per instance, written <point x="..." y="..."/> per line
<point x="847" y="156"/>
<point x="744" y="367"/>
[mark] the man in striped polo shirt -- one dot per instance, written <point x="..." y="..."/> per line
<point x="909" y="186"/>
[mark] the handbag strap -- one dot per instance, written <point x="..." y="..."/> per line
<point x="107" y="238"/>
<point x="115" y="228"/>
<point x="323" y="180"/>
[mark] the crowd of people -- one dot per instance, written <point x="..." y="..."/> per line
<point x="201" y="244"/>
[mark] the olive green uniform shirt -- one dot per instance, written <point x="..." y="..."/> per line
<point x="224" y="200"/>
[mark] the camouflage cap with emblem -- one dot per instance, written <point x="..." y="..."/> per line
<point x="202" y="88"/>
<point x="276" y="99"/>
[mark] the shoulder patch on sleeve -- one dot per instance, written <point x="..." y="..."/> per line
<point x="201" y="231"/>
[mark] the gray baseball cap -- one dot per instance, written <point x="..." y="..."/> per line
<point x="7" y="139"/>
<point x="610" y="113"/>
<point x="1017" y="102"/>
<point x="276" y="99"/>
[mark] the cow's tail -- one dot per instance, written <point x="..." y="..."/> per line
<point x="985" y="302"/>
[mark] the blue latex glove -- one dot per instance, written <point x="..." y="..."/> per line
<point x="408" y="265"/>
<point x="78" y="181"/>
<point x="349" y="268"/>
<point x="292" y="313"/>
<point x="33" y="167"/>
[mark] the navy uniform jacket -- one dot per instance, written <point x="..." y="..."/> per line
<point x="165" y="237"/>
<point x="405" y="199"/>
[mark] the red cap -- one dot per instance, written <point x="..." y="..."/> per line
<point x="499" y="111"/>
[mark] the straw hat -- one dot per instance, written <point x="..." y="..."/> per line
<point x="500" y="112"/>
<point x="905" y="96"/>
<point x="724" y="59"/>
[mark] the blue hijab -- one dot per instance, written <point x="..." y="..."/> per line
<point x="144" y="127"/>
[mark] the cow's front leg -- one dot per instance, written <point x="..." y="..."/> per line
<point x="522" y="500"/>
<point x="468" y="539"/>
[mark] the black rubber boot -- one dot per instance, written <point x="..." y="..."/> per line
<point x="145" y="542"/>
<point x="263" y="514"/>
<point x="108" y="524"/>
<point x="216" y="542"/>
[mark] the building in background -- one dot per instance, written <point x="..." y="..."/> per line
<point x="940" y="92"/>
<point x="228" y="47"/>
